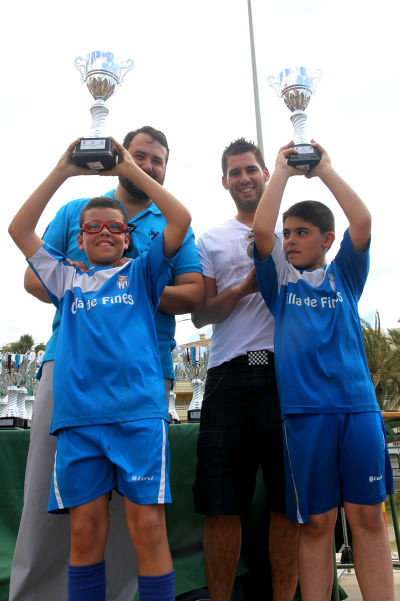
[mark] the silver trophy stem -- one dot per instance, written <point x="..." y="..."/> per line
<point x="197" y="399"/>
<point x="29" y="406"/>
<point x="21" y="409"/>
<point x="172" y="409"/>
<point x="12" y="410"/>
<point x="3" y="406"/>
<point x="99" y="113"/>
<point x="299" y="118"/>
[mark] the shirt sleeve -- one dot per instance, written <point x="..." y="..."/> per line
<point x="187" y="259"/>
<point x="354" y="266"/>
<point x="207" y="263"/>
<point x="270" y="274"/>
<point x="52" y="270"/>
<point x="156" y="267"/>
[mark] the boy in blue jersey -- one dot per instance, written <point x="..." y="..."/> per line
<point x="109" y="403"/>
<point x="335" y="443"/>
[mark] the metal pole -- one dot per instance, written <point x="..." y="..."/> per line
<point x="255" y="82"/>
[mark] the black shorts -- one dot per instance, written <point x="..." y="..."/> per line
<point x="240" y="431"/>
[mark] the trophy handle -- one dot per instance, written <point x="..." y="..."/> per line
<point x="273" y="81"/>
<point x="316" y="76"/>
<point x="79" y="64"/>
<point x="128" y="66"/>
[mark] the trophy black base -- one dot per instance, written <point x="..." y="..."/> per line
<point x="307" y="158"/>
<point x="194" y="415"/>
<point x="95" y="153"/>
<point x="12" y="423"/>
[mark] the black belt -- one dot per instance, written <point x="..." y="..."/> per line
<point x="262" y="357"/>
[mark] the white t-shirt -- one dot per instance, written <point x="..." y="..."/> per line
<point x="250" y="326"/>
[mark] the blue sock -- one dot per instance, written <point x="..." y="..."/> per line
<point x="87" y="583"/>
<point x="157" y="588"/>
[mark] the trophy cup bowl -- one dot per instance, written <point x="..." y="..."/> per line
<point x="101" y="71"/>
<point x="296" y="86"/>
<point x="195" y="361"/>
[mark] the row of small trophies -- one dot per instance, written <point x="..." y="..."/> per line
<point x="18" y="386"/>
<point x="192" y="366"/>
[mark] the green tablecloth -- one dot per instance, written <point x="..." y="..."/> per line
<point x="184" y="525"/>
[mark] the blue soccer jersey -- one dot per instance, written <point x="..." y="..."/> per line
<point x="62" y="233"/>
<point x="107" y="366"/>
<point x="320" y="357"/>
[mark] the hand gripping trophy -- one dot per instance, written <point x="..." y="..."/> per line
<point x="296" y="87"/>
<point x="195" y="360"/>
<point x="101" y="71"/>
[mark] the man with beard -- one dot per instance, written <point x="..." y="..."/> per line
<point x="240" y="427"/>
<point x="42" y="549"/>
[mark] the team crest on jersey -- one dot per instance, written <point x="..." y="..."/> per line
<point x="122" y="282"/>
<point x="332" y="281"/>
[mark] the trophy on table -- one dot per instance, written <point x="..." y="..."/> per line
<point x="17" y="388"/>
<point x="12" y="414"/>
<point x="195" y="360"/>
<point x="296" y="87"/>
<point x="101" y="71"/>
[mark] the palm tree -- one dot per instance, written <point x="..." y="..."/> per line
<point x="383" y="356"/>
<point x="22" y="346"/>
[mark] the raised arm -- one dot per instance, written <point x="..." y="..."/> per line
<point x="22" y="227"/>
<point x="268" y="209"/>
<point x="217" y="307"/>
<point x="176" y="214"/>
<point x="355" y="210"/>
<point x="34" y="286"/>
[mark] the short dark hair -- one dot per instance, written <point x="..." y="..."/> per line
<point x="240" y="146"/>
<point x="156" y="134"/>
<point x="100" y="202"/>
<point x="314" y="212"/>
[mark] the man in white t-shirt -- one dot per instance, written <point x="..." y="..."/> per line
<point x="240" y="427"/>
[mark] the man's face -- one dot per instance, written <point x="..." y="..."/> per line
<point x="151" y="156"/>
<point x="245" y="180"/>
<point x="304" y="245"/>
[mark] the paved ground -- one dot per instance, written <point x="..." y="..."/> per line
<point x="348" y="582"/>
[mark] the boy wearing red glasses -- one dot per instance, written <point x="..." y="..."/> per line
<point x="110" y="422"/>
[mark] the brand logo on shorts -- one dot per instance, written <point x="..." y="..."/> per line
<point x="375" y="478"/>
<point x="142" y="478"/>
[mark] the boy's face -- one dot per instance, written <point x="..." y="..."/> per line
<point x="304" y="245"/>
<point x="103" y="248"/>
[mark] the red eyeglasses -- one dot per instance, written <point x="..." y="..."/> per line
<point x="94" y="227"/>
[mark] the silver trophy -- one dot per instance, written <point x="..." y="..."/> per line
<point x="18" y="384"/>
<point x="101" y="71"/>
<point x="296" y="87"/>
<point x="195" y="361"/>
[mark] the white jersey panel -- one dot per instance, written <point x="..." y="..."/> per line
<point x="250" y="326"/>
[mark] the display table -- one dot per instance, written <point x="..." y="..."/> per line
<point x="183" y="524"/>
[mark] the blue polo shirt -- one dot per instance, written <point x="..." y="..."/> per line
<point x="62" y="234"/>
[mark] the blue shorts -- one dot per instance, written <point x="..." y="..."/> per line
<point x="334" y="458"/>
<point x="130" y="457"/>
